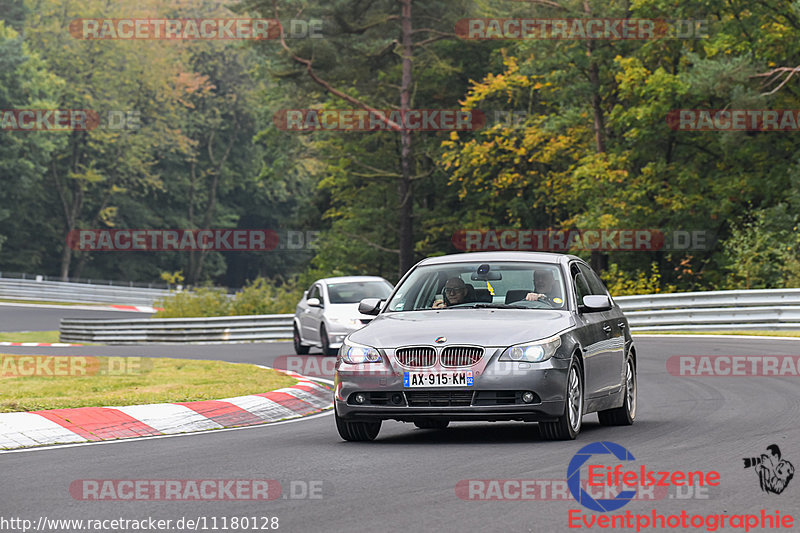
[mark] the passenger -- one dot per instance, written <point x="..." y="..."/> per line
<point x="455" y="292"/>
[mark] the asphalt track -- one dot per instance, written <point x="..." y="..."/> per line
<point x="406" y="480"/>
<point x="27" y="317"/>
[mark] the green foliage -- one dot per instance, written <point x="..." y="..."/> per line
<point x="764" y="252"/>
<point x="201" y="302"/>
<point x="621" y="283"/>
<point x="260" y="297"/>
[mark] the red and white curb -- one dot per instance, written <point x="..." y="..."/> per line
<point x="54" y="344"/>
<point x="90" y="424"/>
<point x="70" y="307"/>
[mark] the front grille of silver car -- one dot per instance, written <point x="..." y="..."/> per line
<point x="416" y="356"/>
<point x="458" y="356"/>
<point x="424" y="398"/>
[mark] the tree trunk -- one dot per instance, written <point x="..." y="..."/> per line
<point x="599" y="260"/>
<point x="405" y="189"/>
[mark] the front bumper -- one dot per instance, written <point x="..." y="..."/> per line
<point x="495" y="394"/>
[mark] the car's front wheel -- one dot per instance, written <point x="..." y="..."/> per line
<point x="623" y="416"/>
<point x="299" y="347"/>
<point x="356" y="431"/>
<point x="326" y="342"/>
<point x="568" y="425"/>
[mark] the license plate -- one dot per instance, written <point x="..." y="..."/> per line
<point x="437" y="379"/>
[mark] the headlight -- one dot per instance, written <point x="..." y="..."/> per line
<point x="355" y="354"/>
<point x="532" y="352"/>
<point x="346" y="321"/>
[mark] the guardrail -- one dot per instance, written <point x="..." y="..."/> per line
<point x="777" y="309"/>
<point x="177" y="330"/>
<point x="692" y="311"/>
<point x="62" y="291"/>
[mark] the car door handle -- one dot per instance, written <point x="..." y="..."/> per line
<point x="607" y="328"/>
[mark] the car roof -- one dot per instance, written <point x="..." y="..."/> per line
<point x="350" y="279"/>
<point x="538" y="257"/>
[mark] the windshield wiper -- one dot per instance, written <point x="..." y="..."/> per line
<point x="493" y="306"/>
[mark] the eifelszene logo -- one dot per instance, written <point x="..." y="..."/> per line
<point x="774" y="473"/>
<point x="600" y="475"/>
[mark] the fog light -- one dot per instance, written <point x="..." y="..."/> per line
<point x="527" y="397"/>
<point x="397" y="399"/>
<point x="360" y="397"/>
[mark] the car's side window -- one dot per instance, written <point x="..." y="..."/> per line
<point x="581" y="287"/>
<point x="315" y="293"/>
<point x="596" y="285"/>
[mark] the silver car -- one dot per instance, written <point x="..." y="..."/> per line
<point x="532" y="337"/>
<point x="329" y="311"/>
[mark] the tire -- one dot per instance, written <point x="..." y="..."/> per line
<point x="568" y="425"/>
<point x="431" y="423"/>
<point x="625" y="415"/>
<point x="299" y="348"/>
<point x="356" y="431"/>
<point x="326" y="342"/>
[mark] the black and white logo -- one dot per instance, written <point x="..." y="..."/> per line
<point x="774" y="472"/>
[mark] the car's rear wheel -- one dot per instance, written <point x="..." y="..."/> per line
<point x="568" y="425"/>
<point x="299" y="347"/>
<point x="625" y="415"/>
<point x="326" y="342"/>
<point x="357" y="431"/>
<point x="431" y="423"/>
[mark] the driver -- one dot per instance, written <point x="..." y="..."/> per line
<point x="455" y="292"/>
<point x="544" y="285"/>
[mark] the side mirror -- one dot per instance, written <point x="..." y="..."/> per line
<point x="314" y="302"/>
<point x="596" y="302"/>
<point x="370" y="306"/>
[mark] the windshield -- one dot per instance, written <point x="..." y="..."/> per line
<point x="355" y="291"/>
<point x="522" y="285"/>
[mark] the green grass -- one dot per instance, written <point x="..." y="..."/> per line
<point x="110" y="381"/>
<point x="745" y="333"/>
<point x="30" y="336"/>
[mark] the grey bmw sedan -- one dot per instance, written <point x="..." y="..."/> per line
<point x="532" y="337"/>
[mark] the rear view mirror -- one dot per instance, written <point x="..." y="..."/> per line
<point x="488" y="276"/>
<point x="314" y="302"/>
<point x="596" y="302"/>
<point x="370" y="306"/>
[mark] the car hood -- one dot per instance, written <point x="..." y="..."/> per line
<point x="483" y="327"/>
<point x="345" y="311"/>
